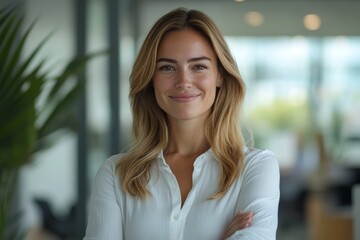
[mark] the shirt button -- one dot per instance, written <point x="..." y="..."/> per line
<point x="176" y="216"/>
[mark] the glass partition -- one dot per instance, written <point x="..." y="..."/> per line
<point x="298" y="86"/>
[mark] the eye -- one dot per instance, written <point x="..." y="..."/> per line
<point x="166" y="68"/>
<point x="199" y="67"/>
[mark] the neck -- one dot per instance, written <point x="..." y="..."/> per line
<point x="187" y="138"/>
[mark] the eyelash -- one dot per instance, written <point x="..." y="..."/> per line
<point x="197" y="67"/>
<point x="166" y="68"/>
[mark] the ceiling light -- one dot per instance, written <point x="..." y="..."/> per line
<point x="312" y="22"/>
<point x="254" y="18"/>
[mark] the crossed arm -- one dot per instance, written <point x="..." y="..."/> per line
<point x="257" y="204"/>
<point x="241" y="221"/>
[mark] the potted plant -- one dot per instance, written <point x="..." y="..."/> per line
<point x="28" y="125"/>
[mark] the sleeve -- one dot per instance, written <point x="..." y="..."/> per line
<point x="104" y="219"/>
<point x="260" y="194"/>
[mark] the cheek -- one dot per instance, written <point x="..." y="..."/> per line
<point x="162" y="83"/>
<point x="159" y="92"/>
<point x="159" y="89"/>
<point x="210" y="89"/>
<point x="209" y="85"/>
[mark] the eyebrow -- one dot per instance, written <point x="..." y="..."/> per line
<point x="190" y="60"/>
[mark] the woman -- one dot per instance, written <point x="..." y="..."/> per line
<point x="188" y="174"/>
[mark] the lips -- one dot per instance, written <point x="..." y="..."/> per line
<point x="184" y="97"/>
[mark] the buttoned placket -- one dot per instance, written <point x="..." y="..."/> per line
<point x="178" y="214"/>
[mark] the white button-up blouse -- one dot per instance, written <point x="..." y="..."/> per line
<point x="116" y="215"/>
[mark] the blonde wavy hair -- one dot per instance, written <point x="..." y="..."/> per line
<point x="150" y="129"/>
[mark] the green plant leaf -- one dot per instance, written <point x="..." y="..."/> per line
<point x="6" y="16"/>
<point x="61" y="97"/>
<point x="24" y="127"/>
<point x="19" y="78"/>
<point x="12" y="30"/>
<point x="13" y="65"/>
<point x="72" y="68"/>
<point x="51" y="123"/>
<point x="20" y="101"/>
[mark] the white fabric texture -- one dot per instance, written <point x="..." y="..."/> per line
<point x="116" y="215"/>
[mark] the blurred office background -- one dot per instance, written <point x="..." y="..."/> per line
<point x="300" y="60"/>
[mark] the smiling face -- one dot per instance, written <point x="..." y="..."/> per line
<point x="186" y="75"/>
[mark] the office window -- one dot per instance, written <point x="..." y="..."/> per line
<point x="298" y="85"/>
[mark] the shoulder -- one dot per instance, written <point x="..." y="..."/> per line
<point x="110" y="163"/>
<point x="108" y="167"/>
<point x="113" y="160"/>
<point x="255" y="153"/>
<point x="260" y="159"/>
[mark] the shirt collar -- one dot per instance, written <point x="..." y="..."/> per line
<point x="208" y="155"/>
<point x="160" y="158"/>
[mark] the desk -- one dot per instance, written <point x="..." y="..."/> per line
<point x="327" y="223"/>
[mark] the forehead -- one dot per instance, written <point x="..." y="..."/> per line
<point x="185" y="42"/>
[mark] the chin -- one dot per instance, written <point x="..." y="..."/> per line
<point x="188" y="116"/>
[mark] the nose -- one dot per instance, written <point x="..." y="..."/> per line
<point x="183" y="80"/>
